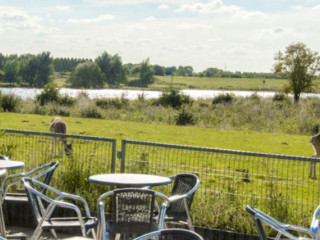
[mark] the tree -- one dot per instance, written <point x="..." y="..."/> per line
<point x="115" y="73"/>
<point x="87" y="75"/>
<point x="300" y="65"/>
<point x="146" y="73"/>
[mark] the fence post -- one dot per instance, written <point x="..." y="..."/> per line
<point x="123" y="155"/>
<point x="113" y="159"/>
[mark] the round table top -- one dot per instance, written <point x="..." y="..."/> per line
<point x="129" y="179"/>
<point x="9" y="164"/>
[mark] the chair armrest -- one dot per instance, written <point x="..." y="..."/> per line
<point x="75" y="197"/>
<point x="18" y="175"/>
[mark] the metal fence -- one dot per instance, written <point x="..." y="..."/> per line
<point x="89" y="156"/>
<point x="278" y="184"/>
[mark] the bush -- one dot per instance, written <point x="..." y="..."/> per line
<point x="50" y="93"/>
<point x="280" y="97"/>
<point x="185" y="118"/>
<point x="173" y="98"/>
<point x="90" y="112"/>
<point x="66" y="101"/>
<point x="223" y="98"/>
<point x="9" y="102"/>
<point x="117" y="103"/>
<point x="137" y="83"/>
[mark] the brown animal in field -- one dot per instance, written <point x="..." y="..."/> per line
<point x="58" y="125"/>
<point x="315" y="142"/>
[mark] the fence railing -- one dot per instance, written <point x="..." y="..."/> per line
<point x="278" y="184"/>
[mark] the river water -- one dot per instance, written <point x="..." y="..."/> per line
<point x="30" y="93"/>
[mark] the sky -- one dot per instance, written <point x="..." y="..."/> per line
<point x="233" y="35"/>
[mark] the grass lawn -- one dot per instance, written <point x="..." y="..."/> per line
<point x="297" y="145"/>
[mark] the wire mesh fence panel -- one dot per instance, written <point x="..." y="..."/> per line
<point x="277" y="184"/>
<point x="85" y="156"/>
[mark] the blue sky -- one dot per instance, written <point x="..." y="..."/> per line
<point x="237" y="35"/>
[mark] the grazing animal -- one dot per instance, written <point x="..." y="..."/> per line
<point x="315" y="142"/>
<point x="58" y="125"/>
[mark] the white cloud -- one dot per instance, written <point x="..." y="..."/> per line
<point x="101" y="18"/>
<point x="12" y="18"/>
<point x="150" y="19"/>
<point x="62" y="8"/>
<point x="163" y="6"/>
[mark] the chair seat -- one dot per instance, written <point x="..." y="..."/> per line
<point x="110" y="229"/>
<point x="72" y="222"/>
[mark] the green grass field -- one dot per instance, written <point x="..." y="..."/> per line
<point x="183" y="135"/>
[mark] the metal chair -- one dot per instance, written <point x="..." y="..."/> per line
<point x="43" y="207"/>
<point x="181" y="198"/>
<point x="283" y="229"/>
<point x="44" y="172"/>
<point x="171" y="234"/>
<point x="132" y="212"/>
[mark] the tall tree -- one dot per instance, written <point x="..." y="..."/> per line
<point x="146" y="73"/>
<point x="112" y="67"/>
<point x="300" y="65"/>
<point x="87" y="75"/>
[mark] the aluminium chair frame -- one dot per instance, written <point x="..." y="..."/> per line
<point x="47" y="173"/>
<point x="53" y="203"/>
<point x="102" y="233"/>
<point x="260" y="217"/>
<point x="188" y="233"/>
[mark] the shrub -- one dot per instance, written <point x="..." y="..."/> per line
<point x="117" y="103"/>
<point x="9" y="102"/>
<point x="66" y="101"/>
<point x="185" y="118"/>
<point x="50" y="93"/>
<point x="280" y="97"/>
<point x="90" y="112"/>
<point x="173" y="98"/>
<point x="223" y="98"/>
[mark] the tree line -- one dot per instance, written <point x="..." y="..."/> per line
<point x="37" y="70"/>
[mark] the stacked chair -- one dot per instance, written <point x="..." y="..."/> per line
<point x="18" y="197"/>
<point x="262" y="219"/>
<point x="44" y="206"/>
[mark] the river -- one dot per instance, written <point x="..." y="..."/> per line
<point x="30" y="93"/>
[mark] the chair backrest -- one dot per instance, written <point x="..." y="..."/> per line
<point x="33" y="190"/>
<point x="45" y="170"/>
<point x="133" y="210"/>
<point x="171" y="234"/>
<point x="183" y="184"/>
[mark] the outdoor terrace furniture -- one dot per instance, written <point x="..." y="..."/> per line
<point x="284" y="230"/>
<point x="15" y="198"/>
<point x="43" y="207"/>
<point x="181" y="197"/>
<point x="171" y="234"/>
<point x="132" y="212"/>
<point x="7" y="165"/>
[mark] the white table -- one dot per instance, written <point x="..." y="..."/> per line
<point x="6" y="165"/>
<point x="129" y="179"/>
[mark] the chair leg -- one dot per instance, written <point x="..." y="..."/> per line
<point x="189" y="222"/>
<point x="54" y="234"/>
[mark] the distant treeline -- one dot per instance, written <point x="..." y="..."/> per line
<point x="37" y="70"/>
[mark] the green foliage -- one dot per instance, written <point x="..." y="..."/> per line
<point x="173" y="98"/>
<point x="223" y="98"/>
<point x="112" y="68"/>
<point x="6" y="150"/>
<point x="280" y="97"/>
<point x="300" y="65"/>
<point x="117" y="103"/>
<point x="185" y="117"/>
<point x="87" y="75"/>
<point x="66" y="101"/>
<point x="90" y="112"/>
<point x="146" y="73"/>
<point x="9" y="102"/>
<point x="50" y="93"/>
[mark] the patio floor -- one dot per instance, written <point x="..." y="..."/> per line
<point x="46" y="235"/>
